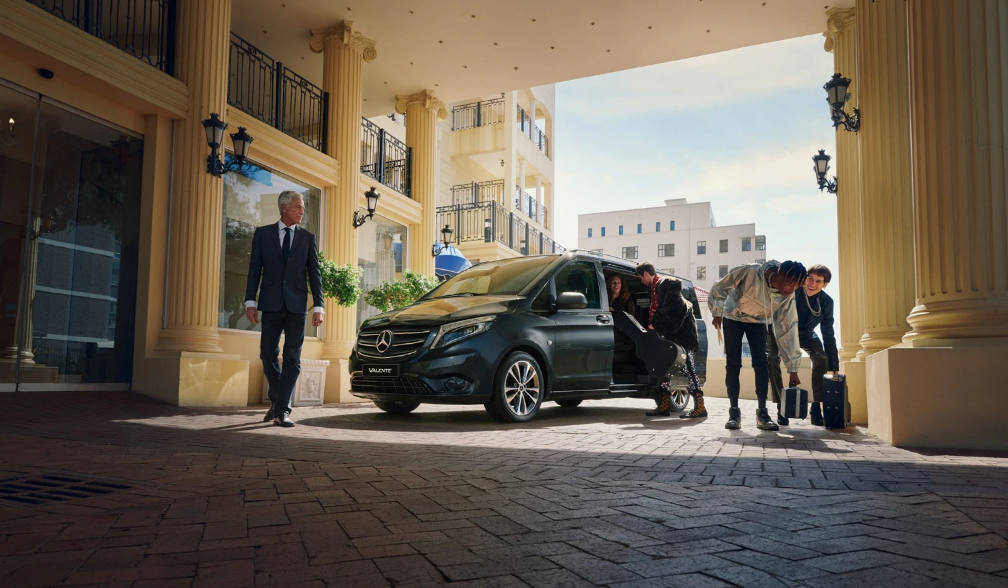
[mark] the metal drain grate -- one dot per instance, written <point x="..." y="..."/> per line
<point x="54" y="488"/>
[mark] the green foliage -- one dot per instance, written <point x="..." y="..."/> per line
<point x="340" y="282"/>
<point x="399" y="294"/>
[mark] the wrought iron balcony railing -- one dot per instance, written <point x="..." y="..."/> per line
<point x="526" y="203"/>
<point x="385" y="158"/>
<point x="143" y="28"/>
<point x="274" y="94"/>
<point x="478" y="114"/>
<point x="491" y="222"/>
<point x="476" y="192"/>
<point x="531" y="130"/>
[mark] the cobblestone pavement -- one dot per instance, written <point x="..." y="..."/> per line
<point x="113" y="489"/>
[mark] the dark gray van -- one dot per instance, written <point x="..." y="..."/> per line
<point x="515" y="333"/>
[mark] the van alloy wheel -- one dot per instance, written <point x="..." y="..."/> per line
<point x="680" y="400"/>
<point x="521" y="387"/>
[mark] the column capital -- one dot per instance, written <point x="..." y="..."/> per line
<point x="838" y="20"/>
<point x="424" y="99"/>
<point x="346" y="34"/>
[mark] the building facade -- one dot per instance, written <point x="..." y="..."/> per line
<point x="90" y="91"/>
<point x="680" y="238"/>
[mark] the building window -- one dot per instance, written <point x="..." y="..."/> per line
<point x="746" y="243"/>
<point x="723" y="246"/>
<point x="630" y="253"/>
<point x="657" y="227"/>
<point x="603" y="231"/>
<point x="670" y="270"/>
<point x="701" y="247"/>
<point x="589" y="233"/>
<point x="701" y="272"/>
<point x="761" y="243"/>
<point x="666" y="250"/>
<point x="380" y="253"/>
<point x="250" y="200"/>
<point x="621" y="229"/>
<point x="638" y="227"/>
<point x="761" y="261"/>
<point x="722" y="271"/>
<point x="599" y="251"/>
<point x="671" y="225"/>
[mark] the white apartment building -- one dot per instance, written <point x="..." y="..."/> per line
<point x="680" y="238"/>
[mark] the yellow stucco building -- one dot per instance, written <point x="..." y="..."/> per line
<point x="122" y="256"/>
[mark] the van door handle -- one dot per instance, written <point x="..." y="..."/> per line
<point x="603" y="319"/>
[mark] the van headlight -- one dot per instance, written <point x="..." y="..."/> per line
<point x="452" y="333"/>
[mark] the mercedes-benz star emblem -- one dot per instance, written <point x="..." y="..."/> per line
<point x="384" y="341"/>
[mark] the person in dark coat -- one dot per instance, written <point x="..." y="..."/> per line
<point x="671" y="316"/>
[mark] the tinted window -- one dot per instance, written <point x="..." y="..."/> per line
<point x="497" y="277"/>
<point x="579" y="276"/>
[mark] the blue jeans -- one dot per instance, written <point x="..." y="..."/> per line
<point x="756" y="335"/>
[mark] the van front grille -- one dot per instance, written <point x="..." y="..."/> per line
<point x="405" y="342"/>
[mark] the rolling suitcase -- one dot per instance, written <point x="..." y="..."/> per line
<point x="794" y="403"/>
<point x="836" y="409"/>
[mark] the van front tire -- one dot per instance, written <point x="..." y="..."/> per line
<point x="519" y="387"/>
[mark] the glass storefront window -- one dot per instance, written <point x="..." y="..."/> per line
<point x="250" y="201"/>
<point x="69" y="244"/>
<point x="381" y="248"/>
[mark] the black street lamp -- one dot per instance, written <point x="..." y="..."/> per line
<point x="837" y="96"/>
<point x="821" y="167"/>
<point x="446" y="235"/>
<point x="372" y="196"/>
<point x="241" y="140"/>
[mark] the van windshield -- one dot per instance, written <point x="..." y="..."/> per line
<point x="507" y="277"/>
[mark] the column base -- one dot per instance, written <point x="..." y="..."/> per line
<point x="941" y="397"/>
<point x="874" y="342"/>
<point x="337" y="387"/>
<point x="186" y="339"/>
<point x="857" y="393"/>
<point x="195" y="379"/>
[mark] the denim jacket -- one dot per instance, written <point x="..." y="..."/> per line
<point x="744" y="296"/>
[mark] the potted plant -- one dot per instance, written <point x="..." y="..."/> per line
<point x="399" y="294"/>
<point x="340" y="282"/>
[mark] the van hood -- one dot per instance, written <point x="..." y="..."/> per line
<point x="439" y="311"/>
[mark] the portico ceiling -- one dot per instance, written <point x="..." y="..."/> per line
<point x="464" y="49"/>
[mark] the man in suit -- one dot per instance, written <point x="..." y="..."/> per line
<point x="285" y="260"/>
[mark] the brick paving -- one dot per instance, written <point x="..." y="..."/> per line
<point x="599" y="495"/>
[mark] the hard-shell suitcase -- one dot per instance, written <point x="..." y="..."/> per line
<point x="836" y="409"/>
<point x="794" y="403"/>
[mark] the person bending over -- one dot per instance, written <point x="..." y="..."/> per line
<point x="746" y="302"/>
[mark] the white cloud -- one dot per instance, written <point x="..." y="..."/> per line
<point x="701" y="82"/>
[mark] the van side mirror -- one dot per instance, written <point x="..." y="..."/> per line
<point x="571" y="301"/>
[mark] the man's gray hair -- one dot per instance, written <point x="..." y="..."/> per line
<point x="286" y="196"/>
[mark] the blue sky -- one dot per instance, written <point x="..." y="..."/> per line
<point x="737" y="129"/>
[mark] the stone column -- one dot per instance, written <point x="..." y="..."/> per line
<point x="539" y="198"/>
<point x="532" y="119"/>
<point x="841" y="42"/>
<point x="423" y="111"/>
<point x="194" y="242"/>
<point x="959" y="130"/>
<point x="945" y="388"/>
<point x="886" y="199"/>
<point x="520" y="200"/>
<point x="344" y="51"/>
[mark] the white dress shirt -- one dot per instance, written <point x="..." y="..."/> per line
<point x="280" y="232"/>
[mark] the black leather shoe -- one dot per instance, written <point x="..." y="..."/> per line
<point x="269" y="415"/>
<point x="816" y="414"/>
<point x="283" y="421"/>
<point x="764" y="422"/>
<point x="734" y="419"/>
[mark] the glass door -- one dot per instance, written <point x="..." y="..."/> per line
<point x="69" y="218"/>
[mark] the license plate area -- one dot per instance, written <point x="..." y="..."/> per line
<point x="381" y="370"/>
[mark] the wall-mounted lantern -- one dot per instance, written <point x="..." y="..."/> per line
<point x="837" y="96"/>
<point x="372" y="196"/>
<point x="446" y="235"/>
<point x="821" y="162"/>
<point x="241" y="140"/>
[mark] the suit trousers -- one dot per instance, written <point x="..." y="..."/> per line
<point x="755" y="334"/>
<point x="281" y="383"/>
<point x="811" y="345"/>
